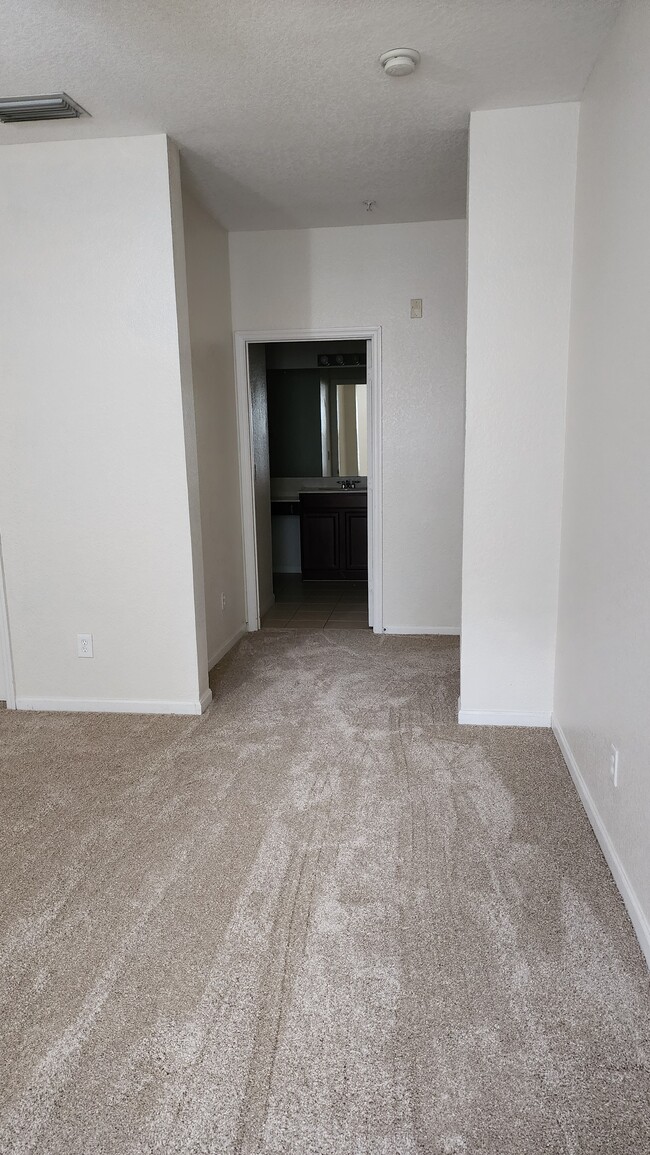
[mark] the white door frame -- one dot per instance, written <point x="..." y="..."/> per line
<point x="5" y="641"/>
<point x="242" y="340"/>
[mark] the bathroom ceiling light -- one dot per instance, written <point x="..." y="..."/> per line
<point x="58" y="106"/>
<point x="399" y="61"/>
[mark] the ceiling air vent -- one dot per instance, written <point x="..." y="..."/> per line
<point x="59" y="106"/>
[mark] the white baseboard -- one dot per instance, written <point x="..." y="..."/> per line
<point x="114" y="705"/>
<point x="503" y="718"/>
<point x="223" y="649"/>
<point x="633" y="906"/>
<point x="406" y="630"/>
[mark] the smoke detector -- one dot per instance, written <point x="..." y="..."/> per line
<point x="399" y="61"/>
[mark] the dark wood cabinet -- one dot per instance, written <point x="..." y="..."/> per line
<point x="355" y="522"/>
<point x="334" y="536"/>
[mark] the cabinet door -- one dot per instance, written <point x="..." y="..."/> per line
<point x="320" y="544"/>
<point x="355" y="536"/>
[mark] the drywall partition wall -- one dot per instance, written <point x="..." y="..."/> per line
<point x="602" y="689"/>
<point x="208" y="291"/>
<point x="94" y="505"/>
<point x="522" y="165"/>
<point x="189" y="420"/>
<point x="260" y="427"/>
<point x="362" y="277"/>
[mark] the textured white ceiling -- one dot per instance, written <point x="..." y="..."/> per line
<point x="281" y="110"/>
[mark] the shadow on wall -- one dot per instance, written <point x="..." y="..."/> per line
<point x="210" y="329"/>
<point x="202" y="177"/>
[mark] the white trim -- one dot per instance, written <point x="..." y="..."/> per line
<point x="222" y="650"/>
<point x="405" y="630"/>
<point x="628" y="894"/>
<point x="372" y="335"/>
<point x="114" y="705"/>
<point x="504" y="718"/>
<point x="375" y="481"/>
<point x="5" y="642"/>
<point x="246" y="481"/>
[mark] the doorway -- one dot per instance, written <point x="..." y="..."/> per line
<point x="309" y="414"/>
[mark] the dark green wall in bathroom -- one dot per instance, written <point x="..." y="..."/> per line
<point x="294" y="422"/>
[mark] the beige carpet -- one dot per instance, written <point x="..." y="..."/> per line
<point x="320" y="920"/>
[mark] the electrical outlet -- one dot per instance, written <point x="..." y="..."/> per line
<point x="613" y="764"/>
<point x="416" y="308"/>
<point x="84" y="645"/>
<point x="223" y="602"/>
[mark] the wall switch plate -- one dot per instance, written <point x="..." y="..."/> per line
<point x="84" y="645"/>
<point x="416" y="308"/>
<point x="613" y="764"/>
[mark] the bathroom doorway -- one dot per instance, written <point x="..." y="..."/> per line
<point x="309" y="408"/>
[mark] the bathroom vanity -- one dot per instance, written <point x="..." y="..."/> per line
<point x="334" y="535"/>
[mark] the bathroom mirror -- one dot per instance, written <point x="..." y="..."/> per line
<point x="343" y="428"/>
<point x="317" y="418"/>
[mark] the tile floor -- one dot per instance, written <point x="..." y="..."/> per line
<point x="317" y="605"/>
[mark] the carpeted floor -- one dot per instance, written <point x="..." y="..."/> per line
<point x="320" y="920"/>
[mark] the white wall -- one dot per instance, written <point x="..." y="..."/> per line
<point x="208" y="289"/>
<point x="188" y="416"/>
<point x="365" y="276"/>
<point x="602" y="691"/>
<point x="520" y="216"/>
<point x="94" y="494"/>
